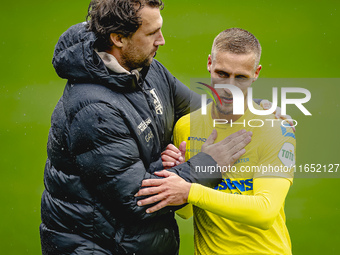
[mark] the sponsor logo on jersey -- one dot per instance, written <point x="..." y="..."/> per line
<point x="235" y="186"/>
<point x="287" y="154"/>
<point x="199" y="139"/>
<point x="241" y="160"/>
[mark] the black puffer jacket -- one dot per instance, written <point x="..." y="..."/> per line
<point x="106" y="136"/>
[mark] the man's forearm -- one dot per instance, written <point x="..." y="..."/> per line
<point x="259" y="210"/>
<point x="188" y="172"/>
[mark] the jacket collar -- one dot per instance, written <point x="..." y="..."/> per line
<point x="75" y="59"/>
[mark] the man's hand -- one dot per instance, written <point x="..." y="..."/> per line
<point x="173" y="156"/>
<point x="172" y="190"/>
<point x="265" y="104"/>
<point x="230" y="149"/>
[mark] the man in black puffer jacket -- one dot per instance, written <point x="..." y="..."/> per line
<point x="116" y="115"/>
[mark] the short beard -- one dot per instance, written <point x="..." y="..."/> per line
<point x="132" y="60"/>
<point x="219" y="108"/>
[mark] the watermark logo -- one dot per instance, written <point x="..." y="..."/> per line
<point x="204" y="96"/>
<point x="238" y="99"/>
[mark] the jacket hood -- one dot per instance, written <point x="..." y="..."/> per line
<point x="76" y="60"/>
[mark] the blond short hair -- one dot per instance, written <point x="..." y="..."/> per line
<point x="237" y="41"/>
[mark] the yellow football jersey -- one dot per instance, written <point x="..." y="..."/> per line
<point x="271" y="153"/>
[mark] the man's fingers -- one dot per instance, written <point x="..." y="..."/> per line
<point x="171" y="154"/>
<point x="212" y="137"/>
<point x="238" y="154"/>
<point x="173" y="148"/>
<point x="159" y="206"/>
<point x="241" y="142"/>
<point x="287" y="118"/>
<point x="149" y="191"/>
<point x="266" y="105"/>
<point x="234" y="136"/>
<point x="238" y="143"/>
<point x="290" y="121"/>
<point x="168" y="164"/>
<point x="151" y="200"/>
<point x="234" y="139"/>
<point x="166" y="158"/>
<point x="164" y="173"/>
<point x="152" y="182"/>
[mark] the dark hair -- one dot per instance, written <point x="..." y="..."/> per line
<point x="116" y="16"/>
<point x="238" y="41"/>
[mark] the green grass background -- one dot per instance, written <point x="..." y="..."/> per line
<point x="300" y="39"/>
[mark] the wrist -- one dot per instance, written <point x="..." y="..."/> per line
<point x="187" y="188"/>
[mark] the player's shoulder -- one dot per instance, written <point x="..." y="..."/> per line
<point x="183" y="121"/>
<point x="277" y="132"/>
<point x="273" y="126"/>
<point x="272" y="129"/>
<point x="182" y="126"/>
<point x="279" y="127"/>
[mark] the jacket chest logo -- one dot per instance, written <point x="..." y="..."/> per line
<point x="143" y="125"/>
<point x="157" y="102"/>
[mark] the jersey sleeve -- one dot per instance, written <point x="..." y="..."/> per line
<point x="259" y="210"/>
<point x="277" y="153"/>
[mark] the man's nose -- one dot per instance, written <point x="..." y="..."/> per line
<point x="227" y="91"/>
<point x="229" y="81"/>
<point x="160" y="40"/>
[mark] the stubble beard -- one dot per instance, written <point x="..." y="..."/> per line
<point x="133" y="60"/>
<point x="222" y="111"/>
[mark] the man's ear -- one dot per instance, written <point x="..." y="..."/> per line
<point x="117" y="40"/>
<point x="257" y="72"/>
<point x="209" y="63"/>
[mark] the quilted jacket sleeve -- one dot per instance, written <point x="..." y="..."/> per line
<point x="108" y="160"/>
<point x="186" y="100"/>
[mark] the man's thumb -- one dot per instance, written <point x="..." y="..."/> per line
<point x="212" y="137"/>
<point x="182" y="148"/>
<point x="163" y="173"/>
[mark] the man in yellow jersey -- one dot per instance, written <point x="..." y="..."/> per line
<point x="244" y="214"/>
